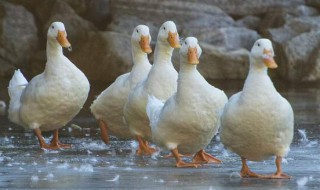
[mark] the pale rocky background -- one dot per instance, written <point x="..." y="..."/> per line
<point x="100" y="30"/>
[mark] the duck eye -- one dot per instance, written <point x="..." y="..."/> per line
<point x="137" y="31"/>
<point x="52" y="27"/>
<point x="185" y="43"/>
<point x="164" y="28"/>
<point x="259" y="44"/>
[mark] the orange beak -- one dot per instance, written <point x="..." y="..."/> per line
<point x="62" y="39"/>
<point x="268" y="60"/>
<point x="173" y="40"/>
<point x="193" y="56"/>
<point x="145" y="44"/>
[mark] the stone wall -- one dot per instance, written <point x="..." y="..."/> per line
<point x="99" y="31"/>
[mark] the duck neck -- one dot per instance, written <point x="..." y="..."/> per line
<point x="256" y="67"/>
<point x="54" y="53"/>
<point x="140" y="58"/>
<point x="54" y="49"/>
<point x="163" y="54"/>
<point x="188" y="79"/>
<point x="185" y="67"/>
<point x="258" y="77"/>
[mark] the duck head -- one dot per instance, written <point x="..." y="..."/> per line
<point x="262" y="52"/>
<point x="191" y="50"/>
<point x="141" y="38"/>
<point x="58" y="32"/>
<point x="168" y="34"/>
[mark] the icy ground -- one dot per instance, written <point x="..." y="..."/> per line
<point x="90" y="163"/>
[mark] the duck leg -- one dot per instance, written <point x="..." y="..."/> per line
<point x="203" y="158"/>
<point x="144" y="148"/>
<point x="104" y="131"/>
<point x="56" y="143"/>
<point x="279" y="174"/>
<point x="180" y="163"/>
<point x="42" y="143"/>
<point x="246" y="172"/>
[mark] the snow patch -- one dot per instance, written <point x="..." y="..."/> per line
<point x="34" y="178"/>
<point x="235" y="175"/>
<point x="94" y="146"/>
<point x="63" y="166"/>
<point x="50" y="176"/>
<point x="159" y="181"/>
<point x="304" y="180"/>
<point x="84" y="168"/>
<point x="115" y="179"/>
<point x="303" y="135"/>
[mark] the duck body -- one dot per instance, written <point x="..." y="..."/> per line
<point x="258" y="122"/>
<point x="53" y="98"/>
<point x="110" y="103"/>
<point x="191" y="117"/>
<point x="161" y="82"/>
<point x="108" y="107"/>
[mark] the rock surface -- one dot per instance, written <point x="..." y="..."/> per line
<point x="226" y="31"/>
<point x="104" y="55"/>
<point x="18" y="37"/>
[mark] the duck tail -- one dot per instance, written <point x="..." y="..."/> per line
<point x="154" y="107"/>
<point x="16" y="86"/>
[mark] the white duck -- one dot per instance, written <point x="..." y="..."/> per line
<point x="161" y="82"/>
<point x="50" y="100"/>
<point x="108" y="107"/>
<point x="191" y="117"/>
<point x="258" y="122"/>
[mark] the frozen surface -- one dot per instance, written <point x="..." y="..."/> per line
<point x="92" y="164"/>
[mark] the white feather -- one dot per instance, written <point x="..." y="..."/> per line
<point x="16" y="86"/>
<point x="154" y="107"/>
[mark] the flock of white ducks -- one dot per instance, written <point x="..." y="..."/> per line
<point x="177" y="111"/>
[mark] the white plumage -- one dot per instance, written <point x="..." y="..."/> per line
<point x="108" y="106"/>
<point x="161" y="82"/>
<point x="258" y="122"/>
<point x="51" y="99"/>
<point x="191" y="117"/>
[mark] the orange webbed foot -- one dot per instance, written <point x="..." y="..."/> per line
<point x="144" y="148"/>
<point x="203" y="158"/>
<point x="182" y="164"/>
<point x="278" y="176"/>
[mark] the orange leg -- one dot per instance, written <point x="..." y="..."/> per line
<point x="180" y="163"/>
<point x="279" y="174"/>
<point x="55" y="143"/>
<point x="246" y="172"/>
<point x="144" y="148"/>
<point x="203" y="158"/>
<point x="42" y="143"/>
<point x="104" y="131"/>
